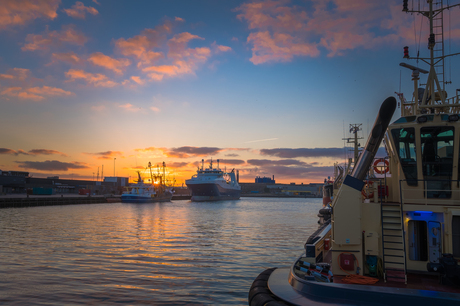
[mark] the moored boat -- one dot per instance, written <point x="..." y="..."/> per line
<point x="154" y="191"/>
<point x="213" y="184"/>
<point x="398" y="242"/>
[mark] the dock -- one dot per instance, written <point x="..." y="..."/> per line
<point x="23" y="200"/>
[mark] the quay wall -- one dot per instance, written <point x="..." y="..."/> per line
<point x="31" y="201"/>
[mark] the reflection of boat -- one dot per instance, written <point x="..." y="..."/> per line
<point x="155" y="191"/>
<point x="213" y="184"/>
<point x="398" y="242"/>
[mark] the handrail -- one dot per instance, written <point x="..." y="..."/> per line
<point x="423" y="199"/>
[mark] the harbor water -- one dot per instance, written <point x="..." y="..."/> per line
<point x="176" y="253"/>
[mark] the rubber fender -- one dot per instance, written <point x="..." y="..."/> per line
<point x="257" y="290"/>
<point x="261" y="299"/>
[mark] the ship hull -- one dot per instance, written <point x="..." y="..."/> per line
<point x="213" y="192"/>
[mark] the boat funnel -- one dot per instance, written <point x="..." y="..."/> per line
<point x="375" y="138"/>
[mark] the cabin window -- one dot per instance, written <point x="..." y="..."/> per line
<point x="456" y="236"/>
<point x="404" y="140"/>
<point x="418" y="241"/>
<point x="437" y="160"/>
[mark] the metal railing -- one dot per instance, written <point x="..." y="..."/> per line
<point x="430" y="192"/>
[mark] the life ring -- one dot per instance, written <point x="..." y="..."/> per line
<point x="386" y="166"/>
<point x="369" y="195"/>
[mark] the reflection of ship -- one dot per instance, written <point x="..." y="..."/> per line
<point x="396" y="241"/>
<point x="155" y="191"/>
<point x="213" y="184"/>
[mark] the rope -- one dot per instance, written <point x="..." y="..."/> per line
<point x="356" y="278"/>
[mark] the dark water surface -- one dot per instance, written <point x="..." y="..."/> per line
<point x="177" y="253"/>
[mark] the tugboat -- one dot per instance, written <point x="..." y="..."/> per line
<point x="213" y="184"/>
<point x="155" y="191"/>
<point x="400" y="246"/>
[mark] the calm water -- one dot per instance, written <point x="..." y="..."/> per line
<point x="180" y="253"/>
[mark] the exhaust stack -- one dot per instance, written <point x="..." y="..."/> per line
<point x="375" y="138"/>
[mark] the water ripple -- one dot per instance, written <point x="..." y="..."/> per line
<point x="180" y="253"/>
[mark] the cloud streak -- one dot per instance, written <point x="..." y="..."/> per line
<point x="31" y="152"/>
<point x="94" y="79"/>
<point x="51" y="165"/>
<point x="106" y="154"/>
<point x="35" y="93"/>
<point x="303" y="152"/>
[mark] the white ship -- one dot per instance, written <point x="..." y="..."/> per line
<point x="213" y="184"/>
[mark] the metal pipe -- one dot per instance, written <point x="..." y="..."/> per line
<point x="381" y="123"/>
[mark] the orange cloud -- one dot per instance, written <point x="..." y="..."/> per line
<point x="35" y="93"/>
<point x="281" y="31"/>
<point x="116" y="65"/>
<point x="69" y="57"/>
<point x="184" y="60"/>
<point x="21" y="12"/>
<point x="54" y="38"/>
<point x="223" y="48"/>
<point x="147" y="48"/>
<point x="280" y="47"/>
<point x="78" y="10"/>
<point x="106" y="155"/>
<point x="95" y="79"/>
<point x="16" y="74"/>
<point x="130" y="108"/>
<point x="141" y="46"/>
<point x="138" y="80"/>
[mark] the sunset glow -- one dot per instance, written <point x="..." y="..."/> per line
<point x="267" y="87"/>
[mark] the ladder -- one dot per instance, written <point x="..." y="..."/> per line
<point x="393" y="243"/>
<point x="438" y="49"/>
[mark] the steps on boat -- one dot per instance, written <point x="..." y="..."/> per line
<point x="394" y="255"/>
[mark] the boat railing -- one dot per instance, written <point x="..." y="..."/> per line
<point x="451" y="105"/>
<point x="430" y="192"/>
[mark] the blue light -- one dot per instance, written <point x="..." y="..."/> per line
<point x="423" y="212"/>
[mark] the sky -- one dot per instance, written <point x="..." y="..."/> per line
<point x="267" y="87"/>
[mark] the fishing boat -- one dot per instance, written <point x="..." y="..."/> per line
<point x="213" y="184"/>
<point x="398" y="242"/>
<point x="154" y="191"/>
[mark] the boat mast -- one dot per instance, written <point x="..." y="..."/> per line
<point x="434" y="91"/>
<point x="354" y="128"/>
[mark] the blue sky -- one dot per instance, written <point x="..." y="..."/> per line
<point x="84" y="82"/>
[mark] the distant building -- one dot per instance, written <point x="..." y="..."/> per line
<point x="265" y="180"/>
<point x="21" y="182"/>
